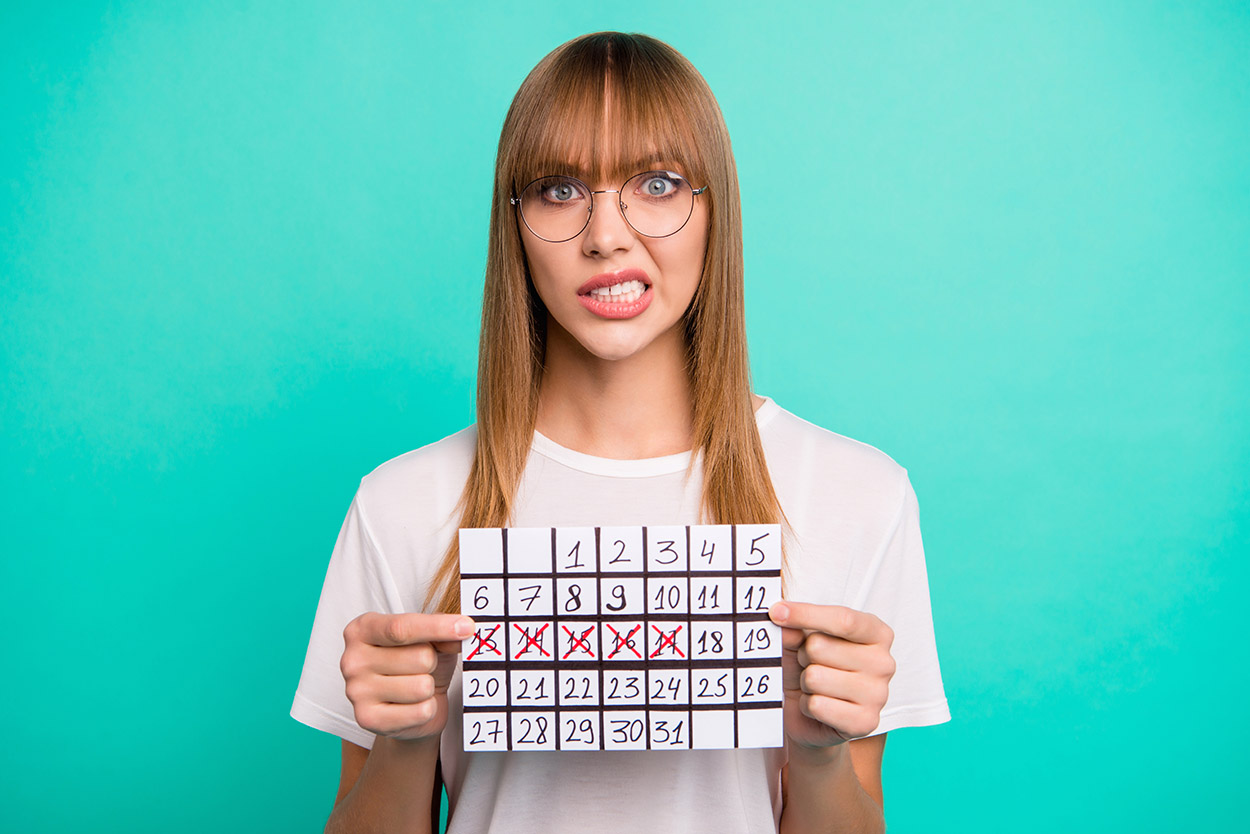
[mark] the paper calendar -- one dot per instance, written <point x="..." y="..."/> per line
<point x="621" y="638"/>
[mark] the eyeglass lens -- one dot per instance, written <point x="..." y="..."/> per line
<point x="655" y="204"/>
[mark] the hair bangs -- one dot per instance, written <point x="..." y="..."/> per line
<point x="602" y="111"/>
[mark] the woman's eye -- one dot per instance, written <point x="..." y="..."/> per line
<point x="658" y="187"/>
<point x="561" y="192"/>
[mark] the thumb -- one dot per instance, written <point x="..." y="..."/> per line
<point x="445" y="668"/>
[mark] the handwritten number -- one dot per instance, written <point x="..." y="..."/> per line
<point x="572" y="693"/>
<point x="529" y="600"/>
<point x="672" y="595"/>
<point x="750" y="606"/>
<point x="491" y="690"/>
<point x="575" y="555"/>
<point x="756" y="549"/>
<point x="585" y="726"/>
<point x="673" y="686"/>
<point x="721" y="689"/>
<point x="667" y="547"/>
<point x="709" y="548"/>
<point x="541" y="724"/>
<point x="619" y="553"/>
<point x="477" y="734"/>
<point x="663" y="734"/>
<point x="760" y="638"/>
<point x="717" y="646"/>
<point x="626" y="730"/>
<point x="525" y="686"/>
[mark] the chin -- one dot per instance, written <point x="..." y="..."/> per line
<point x="611" y="354"/>
<point x="613" y="351"/>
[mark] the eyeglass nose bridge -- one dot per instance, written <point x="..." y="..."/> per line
<point x="624" y="207"/>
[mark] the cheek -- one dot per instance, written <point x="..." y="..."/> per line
<point x="693" y="253"/>
<point x="541" y="272"/>
<point x="701" y="231"/>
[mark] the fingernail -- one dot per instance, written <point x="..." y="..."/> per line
<point x="464" y="627"/>
<point x="780" y="612"/>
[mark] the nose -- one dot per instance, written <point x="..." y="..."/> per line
<point x="607" y="231"/>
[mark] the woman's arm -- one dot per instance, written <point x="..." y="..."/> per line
<point x="837" y="789"/>
<point x="397" y="669"/>
<point x="390" y="788"/>
<point x="836" y="668"/>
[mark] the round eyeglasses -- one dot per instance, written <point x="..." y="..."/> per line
<point x="653" y="203"/>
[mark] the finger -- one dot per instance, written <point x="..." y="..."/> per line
<point x="386" y="719"/>
<point x="444" y="670"/>
<point x="845" y="718"/>
<point x="405" y="629"/>
<point x="404" y="689"/>
<point x="364" y="692"/>
<point x="792" y="638"/>
<point x="823" y="650"/>
<point x="857" y="688"/>
<point x="837" y="620"/>
<point x="416" y="659"/>
<point x="790" y="669"/>
<point x="448" y="646"/>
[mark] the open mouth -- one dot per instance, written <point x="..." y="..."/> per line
<point x="626" y="292"/>
<point x="617" y="295"/>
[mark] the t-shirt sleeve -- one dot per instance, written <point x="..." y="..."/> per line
<point x="896" y="589"/>
<point x="357" y="580"/>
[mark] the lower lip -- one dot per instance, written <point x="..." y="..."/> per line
<point x="615" y="309"/>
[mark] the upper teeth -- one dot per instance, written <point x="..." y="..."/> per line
<point x="623" y="288"/>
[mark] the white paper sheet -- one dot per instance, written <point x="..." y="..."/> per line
<point x="621" y="638"/>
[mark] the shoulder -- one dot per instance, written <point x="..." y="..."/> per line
<point x="798" y="448"/>
<point x="426" y="476"/>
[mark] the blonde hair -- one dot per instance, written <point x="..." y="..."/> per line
<point x="601" y="103"/>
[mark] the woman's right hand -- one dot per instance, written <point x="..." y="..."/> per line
<point x="397" y="668"/>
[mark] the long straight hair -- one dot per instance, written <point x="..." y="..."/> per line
<point x="601" y="103"/>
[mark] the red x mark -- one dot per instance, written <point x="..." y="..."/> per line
<point x="535" y="640"/>
<point x="485" y="643"/>
<point x="576" y="642"/>
<point x="667" y="640"/>
<point x="624" y="642"/>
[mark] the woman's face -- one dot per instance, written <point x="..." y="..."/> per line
<point x="655" y="280"/>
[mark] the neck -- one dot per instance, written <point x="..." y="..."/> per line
<point x="637" y="407"/>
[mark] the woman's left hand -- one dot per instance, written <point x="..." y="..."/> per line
<point x="836" y="670"/>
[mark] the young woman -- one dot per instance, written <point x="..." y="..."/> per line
<point x="614" y="389"/>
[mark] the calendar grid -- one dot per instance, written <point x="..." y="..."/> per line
<point x="607" y="638"/>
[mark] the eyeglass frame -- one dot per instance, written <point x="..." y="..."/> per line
<point x="694" y="192"/>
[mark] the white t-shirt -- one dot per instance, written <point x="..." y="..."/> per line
<point x="856" y="543"/>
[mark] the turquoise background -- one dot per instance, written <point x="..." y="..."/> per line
<point x="241" y="252"/>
